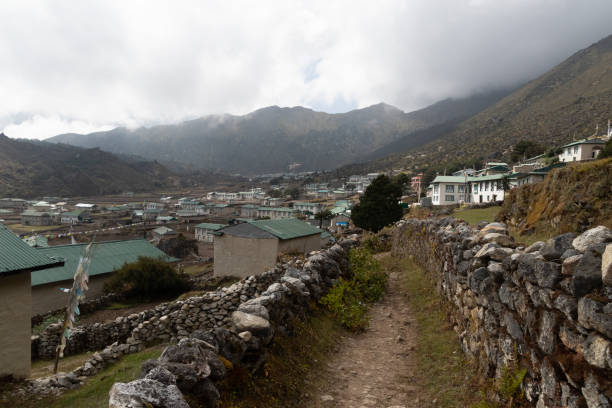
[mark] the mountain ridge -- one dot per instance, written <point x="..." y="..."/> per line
<point x="272" y="138"/>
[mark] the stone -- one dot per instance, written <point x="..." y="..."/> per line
<point x="255" y="309"/>
<point x="570" y="252"/>
<point x="570" y="264"/>
<point x="571" y="338"/>
<point x="606" y="266"/>
<point x="245" y="336"/>
<point x="587" y="275"/>
<point x="597" y="235"/>
<point x="597" y="351"/>
<point x="556" y="246"/>
<point x="512" y="326"/>
<point x="188" y="352"/>
<point x="493" y="251"/>
<point x="536" y="246"/>
<point x="248" y="322"/>
<point x="567" y="305"/>
<point x="145" y="393"/>
<point x="547" y="336"/>
<point x="594" y="315"/>
<point x="547" y="273"/>
<point x="500" y="239"/>
<point x="591" y="392"/>
<point x="162" y="375"/>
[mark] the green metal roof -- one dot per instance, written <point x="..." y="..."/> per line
<point x="585" y="141"/>
<point x="107" y="257"/>
<point x="34" y="213"/>
<point x="450" y="179"/>
<point x="284" y="209"/>
<point x="164" y="231"/>
<point x="249" y="206"/>
<point x="210" y="226"/>
<point x="74" y="213"/>
<point x="288" y="228"/>
<point x="16" y="255"/>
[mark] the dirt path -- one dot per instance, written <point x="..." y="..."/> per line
<point x="374" y="368"/>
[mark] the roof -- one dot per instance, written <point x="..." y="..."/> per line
<point x="37" y="241"/>
<point x="286" y="228"/>
<point x="462" y="179"/>
<point x="286" y="209"/>
<point x="307" y="203"/>
<point x="33" y="213"/>
<point x="107" y="257"/>
<point x="75" y="213"/>
<point x="249" y="206"/>
<point x="164" y="231"/>
<point x="210" y="226"/>
<point x="17" y="256"/>
<point x="585" y="141"/>
<point x="84" y="205"/>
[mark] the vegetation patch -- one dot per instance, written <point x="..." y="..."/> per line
<point x="147" y="279"/>
<point x="348" y="300"/>
<point x="280" y="381"/>
<point x="475" y="215"/>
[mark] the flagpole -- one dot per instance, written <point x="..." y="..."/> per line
<point x="79" y="286"/>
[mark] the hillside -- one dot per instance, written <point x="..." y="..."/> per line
<point x="272" y="138"/>
<point x="572" y="198"/>
<point x="566" y="102"/>
<point x="32" y="169"/>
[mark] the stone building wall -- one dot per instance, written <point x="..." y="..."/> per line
<point x="544" y="308"/>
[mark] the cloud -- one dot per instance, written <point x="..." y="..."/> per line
<point x="82" y="66"/>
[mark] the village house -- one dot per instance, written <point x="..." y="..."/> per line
<point x="248" y="211"/>
<point x="89" y="207"/>
<point x="253" y="247"/>
<point x="119" y="210"/>
<point x="37" y="218"/>
<point x="582" y="150"/>
<point x="107" y="257"/>
<point x="447" y="190"/>
<point x="74" y="217"/>
<point x="486" y="189"/>
<point x="13" y="203"/>
<point x="163" y="233"/>
<point x="150" y="205"/>
<point x="275" y="213"/>
<point x="18" y="261"/>
<point x="221" y="210"/>
<point x="307" y="208"/>
<point x="205" y="231"/>
<point x="151" y="214"/>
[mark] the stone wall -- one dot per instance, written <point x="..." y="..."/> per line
<point x="543" y="308"/>
<point x="241" y="319"/>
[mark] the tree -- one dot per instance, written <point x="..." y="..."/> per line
<point x="607" y="150"/>
<point x="324" y="214"/>
<point x="525" y="149"/>
<point x="379" y="206"/>
<point x="294" y="192"/>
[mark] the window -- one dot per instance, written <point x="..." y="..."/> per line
<point x="487" y="186"/>
<point x="575" y="149"/>
<point x="461" y="188"/>
<point x="435" y="198"/>
<point x="475" y="187"/>
<point x="436" y="188"/>
<point x="449" y="198"/>
<point x="450" y="188"/>
<point x="567" y="151"/>
<point x="493" y="185"/>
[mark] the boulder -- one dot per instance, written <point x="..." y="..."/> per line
<point x="500" y="239"/>
<point x="597" y="235"/>
<point x="493" y="251"/>
<point x="556" y="246"/>
<point x="587" y="275"/>
<point x="606" y="266"/>
<point x="569" y="264"/>
<point x="145" y="393"/>
<point x="597" y="351"/>
<point x="255" y="309"/>
<point x="536" y="246"/>
<point x="248" y="322"/>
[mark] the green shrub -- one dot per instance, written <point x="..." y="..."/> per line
<point x="147" y="279"/>
<point x="348" y="299"/>
<point x="377" y="243"/>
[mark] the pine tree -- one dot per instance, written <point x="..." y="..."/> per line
<point x="379" y="206"/>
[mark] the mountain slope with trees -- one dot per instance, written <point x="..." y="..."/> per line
<point x="564" y="104"/>
<point x="32" y="169"/>
<point x="271" y="139"/>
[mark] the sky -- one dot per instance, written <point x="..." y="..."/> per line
<point x="83" y="66"/>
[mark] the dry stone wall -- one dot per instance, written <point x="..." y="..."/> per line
<point x="545" y="307"/>
<point x="238" y="321"/>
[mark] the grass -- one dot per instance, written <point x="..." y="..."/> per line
<point x="474" y="215"/>
<point x="291" y="358"/>
<point x="47" y="321"/>
<point x="42" y="368"/>
<point x="94" y="393"/>
<point x="442" y="369"/>
<point x="198" y="269"/>
<point x="529" y="239"/>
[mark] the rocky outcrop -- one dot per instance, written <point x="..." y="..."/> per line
<point x="545" y="307"/>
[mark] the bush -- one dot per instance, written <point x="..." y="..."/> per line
<point x="348" y="299"/>
<point x="377" y="243"/>
<point x="147" y="279"/>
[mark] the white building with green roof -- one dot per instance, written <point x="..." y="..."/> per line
<point x="582" y="150"/>
<point x="206" y="230"/>
<point x="447" y="190"/>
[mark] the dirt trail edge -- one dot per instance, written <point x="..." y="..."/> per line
<point x="374" y="368"/>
